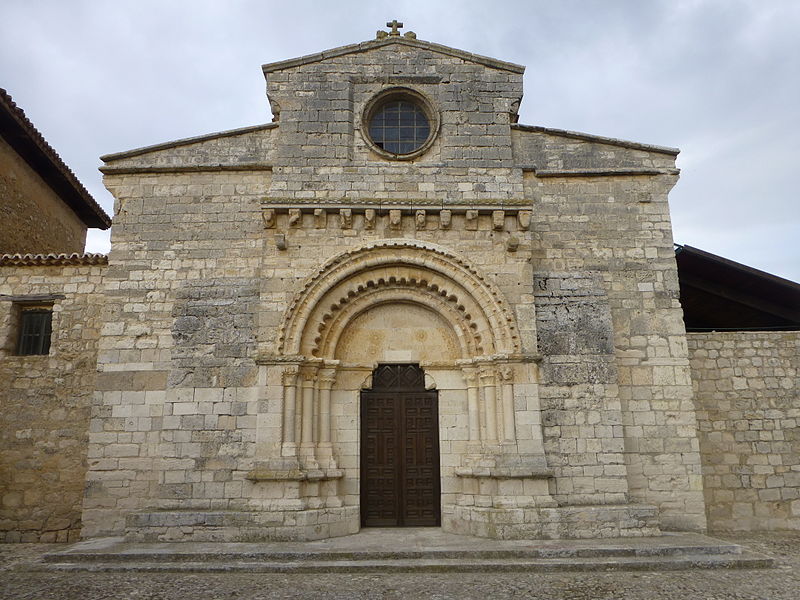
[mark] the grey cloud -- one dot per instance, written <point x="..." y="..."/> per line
<point x="717" y="78"/>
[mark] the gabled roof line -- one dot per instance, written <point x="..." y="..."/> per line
<point x="185" y="142"/>
<point x="372" y="44"/>
<point x="20" y="133"/>
<point x="597" y="138"/>
<point x="721" y="260"/>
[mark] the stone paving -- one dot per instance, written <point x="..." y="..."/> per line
<point x="780" y="583"/>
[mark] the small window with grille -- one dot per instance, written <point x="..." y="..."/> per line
<point x="35" y="328"/>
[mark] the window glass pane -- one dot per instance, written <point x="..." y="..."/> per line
<point x="399" y="127"/>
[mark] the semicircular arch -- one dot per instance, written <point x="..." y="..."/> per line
<point x="442" y="280"/>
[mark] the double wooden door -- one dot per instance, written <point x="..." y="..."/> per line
<point x="400" y="484"/>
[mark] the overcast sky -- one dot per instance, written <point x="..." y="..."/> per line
<point x="719" y="79"/>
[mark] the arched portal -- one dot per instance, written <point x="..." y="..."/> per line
<point x="389" y="303"/>
<point x="396" y="301"/>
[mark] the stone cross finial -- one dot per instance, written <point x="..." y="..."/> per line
<point x="395" y="25"/>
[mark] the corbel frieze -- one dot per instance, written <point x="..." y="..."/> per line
<point x="280" y="215"/>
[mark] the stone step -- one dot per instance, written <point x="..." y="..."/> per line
<point x="406" y="551"/>
<point x="177" y="556"/>
<point x="430" y="565"/>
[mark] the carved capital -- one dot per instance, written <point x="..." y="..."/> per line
<point x="308" y="374"/>
<point x="487" y="374"/>
<point x="289" y="375"/>
<point x="327" y="378"/>
<point x="470" y="376"/>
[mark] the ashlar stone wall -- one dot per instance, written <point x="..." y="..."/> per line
<point x="174" y="416"/>
<point x="211" y="399"/>
<point x="606" y="277"/>
<point x="747" y="390"/>
<point x="45" y="401"/>
<point x="33" y="219"/>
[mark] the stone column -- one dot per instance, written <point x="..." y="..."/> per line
<point x="473" y="405"/>
<point x="289" y="446"/>
<point x="309" y="390"/>
<point x="489" y="403"/>
<point x="507" y="394"/>
<point x="324" y="445"/>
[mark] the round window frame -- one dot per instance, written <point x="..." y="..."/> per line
<point x="409" y="95"/>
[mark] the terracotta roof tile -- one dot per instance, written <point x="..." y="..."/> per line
<point x="47" y="260"/>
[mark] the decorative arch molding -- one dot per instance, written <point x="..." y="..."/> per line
<point x="482" y="338"/>
<point x="330" y="331"/>
<point x="434" y="276"/>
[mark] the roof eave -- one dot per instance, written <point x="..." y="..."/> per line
<point x="588" y="137"/>
<point x="29" y="143"/>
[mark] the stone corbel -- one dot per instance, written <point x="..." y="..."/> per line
<point x="471" y="220"/>
<point x="346" y="218"/>
<point x="498" y="220"/>
<point x="268" y="216"/>
<point x="369" y="218"/>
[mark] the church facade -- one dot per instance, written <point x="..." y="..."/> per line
<point x="392" y="306"/>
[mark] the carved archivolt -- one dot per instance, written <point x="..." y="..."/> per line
<point x="398" y="271"/>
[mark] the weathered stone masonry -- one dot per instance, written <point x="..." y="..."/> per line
<point x="748" y="409"/>
<point x="229" y="249"/>
<point x="258" y="276"/>
<point x="46" y="400"/>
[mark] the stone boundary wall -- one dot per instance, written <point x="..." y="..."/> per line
<point x="748" y="416"/>
<point x="45" y="400"/>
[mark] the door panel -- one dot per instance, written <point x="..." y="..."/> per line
<point x="400" y="483"/>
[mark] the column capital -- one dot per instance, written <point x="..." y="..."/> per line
<point x="505" y="372"/>
<point x="327" y="376"/>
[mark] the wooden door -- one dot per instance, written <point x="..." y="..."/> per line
<point x="400" y="484"/>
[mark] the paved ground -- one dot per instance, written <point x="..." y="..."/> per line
<point x="781" y="583"/>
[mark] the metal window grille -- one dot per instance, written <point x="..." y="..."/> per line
<point x="34" y="331"/>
